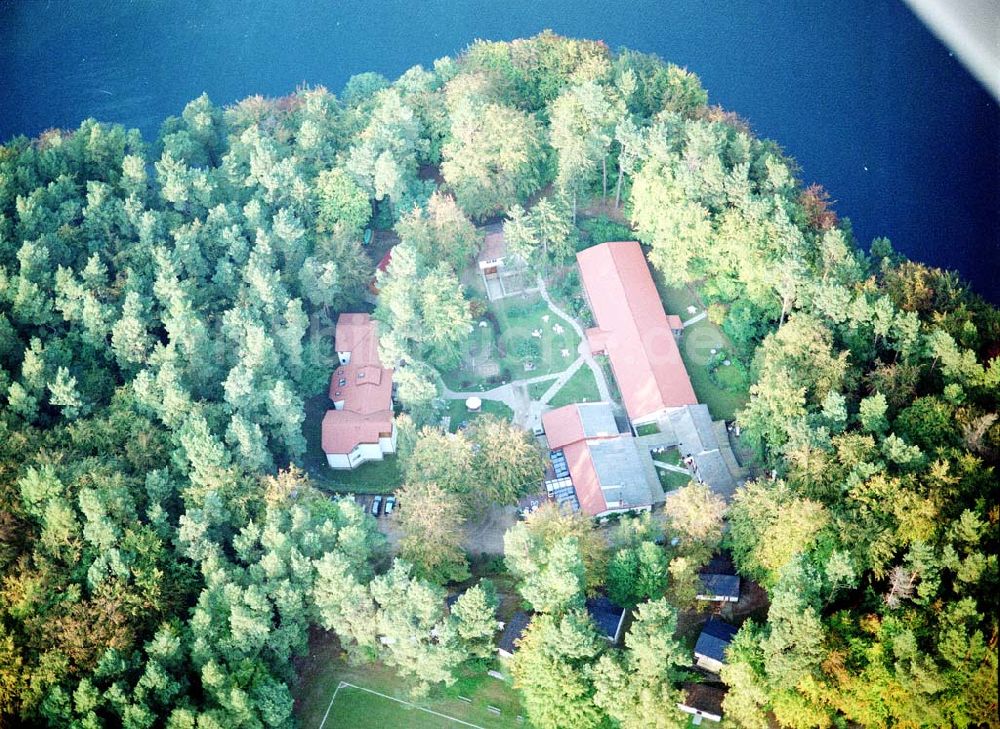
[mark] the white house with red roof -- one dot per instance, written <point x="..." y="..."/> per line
<point x="634" y="331"/>
<point x="360" y="426"/>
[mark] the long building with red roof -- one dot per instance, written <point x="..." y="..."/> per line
<point x="634" y="331"/>
<point x="360" y="426"/>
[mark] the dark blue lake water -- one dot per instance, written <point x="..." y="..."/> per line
<point x="858" y="91"/>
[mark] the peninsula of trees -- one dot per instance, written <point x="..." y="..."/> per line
<point x="166" y="309"/>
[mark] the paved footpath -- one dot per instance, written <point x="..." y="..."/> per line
<point x="695" y="319"/>
<point x="584" y="348"/>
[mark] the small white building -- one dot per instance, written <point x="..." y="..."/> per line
<point x="719" y="588"/>
<point x="512" y="632"/>
<point x="702" y="702"/>
<point x="500" y="269"/>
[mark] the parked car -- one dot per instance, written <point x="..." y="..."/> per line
<point x="390" y="504"/>
<point x="376" y="505"/>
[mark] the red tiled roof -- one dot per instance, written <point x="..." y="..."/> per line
<point x="632" y="328"/>
<point x="365" y="390"/>
<point x="356" y="333"/>
<point x="364" y="386"/>
<point x="562" y="426"/>
<point x="564" y="430"/>
<point x="585" y="480"/>
<point x="343" y="430"/>
<point x="383" y="264"/>
<point x="494" y="246"/>
<point x="597" y="339"/>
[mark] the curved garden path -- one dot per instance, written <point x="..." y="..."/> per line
<point x="528" y="412"/>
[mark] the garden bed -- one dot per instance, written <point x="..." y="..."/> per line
<point x="647" y="429"/>
<point x="671" y="456"/>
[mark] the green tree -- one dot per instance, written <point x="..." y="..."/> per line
<point x="476" y="621"/>
<point x="695" y="513"/>
<point x="63" y="394"/>
<point x="548" y="525"/>
<point x="551" y="576"/>
<point x="443" y="459"/>
<point x="637" y="573"/>
<point x="770" y="526"/>
<point x="341" y="205"/>
<point x="384" y="159"/>
<point x="431" y="526"/>
<point x="506" y="461"/>
<point x="440" y="232"/>
<point x="581" y="128"/>
<point x="635" y="687"/>
<point x="551" y="669"/>
<point x="493" y="156"/>
<point x="415" y="634"/>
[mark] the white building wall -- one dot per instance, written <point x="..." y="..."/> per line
<point x="698" y="712"/>
<point x="709" y="664"/>
<point x="364" y="452"/>
<point x="338" y="460"/>
<point x="388" y="445"/>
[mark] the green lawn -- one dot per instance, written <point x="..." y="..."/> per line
<point x="324" y="669"/>
<point x="609" y="376"/>
<point x="460" y="414"/>
<point x="696" y="345"/>
<point x="671" y="480"/>
<point x="518" y="318"/>
<point x="647" y="429"/>
<point x="356" y="707"/>
<point x="537" y="389"/>
<point x="581" y="387"/>
<point x="382" y="477"/>
<point x="374" y="477"/>
<point x="676" y="299"/>
<point x="729" y="378"/>
<point x="671" y="456"/>
<point x="696" y="350"/>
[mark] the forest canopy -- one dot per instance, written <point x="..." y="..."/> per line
<point x="166" y="310"/>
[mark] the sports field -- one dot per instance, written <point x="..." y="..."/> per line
<point x="354" y="706"/>
<point x="332" y="693"/>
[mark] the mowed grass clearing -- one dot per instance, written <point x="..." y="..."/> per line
<point x="518" y="319"/>
<point x="324" y="669"/>
<point x="353" y="706"/>
<point x="670" y="480"/>
<point x="696" y="350"/>
<point x="696" y="347"/>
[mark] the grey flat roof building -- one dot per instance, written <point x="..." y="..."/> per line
<point x="619" y="470"/>
<point x="696" y="438"/>
<point x="598" y="419"/>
